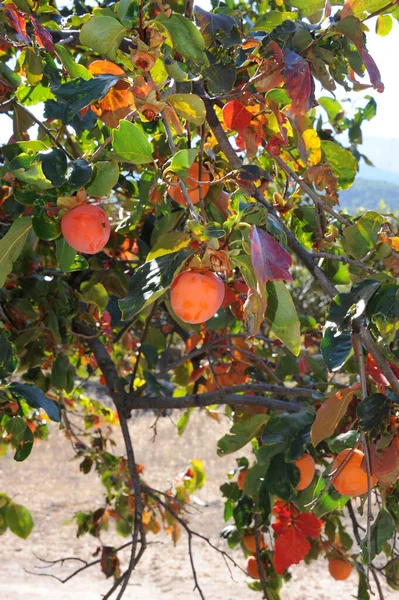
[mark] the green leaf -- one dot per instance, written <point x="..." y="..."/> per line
<point x="8" y="356"/>
<point x="54" y="165"/>
<point x="217" y="27"/>
<point x="358" y="7"/>
<point x="384" y="25"/>
<point x="78" y="174"/>
<point x="392" y="574"/>
<point x="94" y="293"/>
<point x="105" y="176"/>
<point x="282" y="317"/>
<point x="347" y="306"/>
<point x="271" y="19"/>
<point x="281" y="478"/>
<point x="186" y="38"/>
<point x="307" y="7"/>
<point x="382" y="530"/>
<point x="332" y="107"/>
<point x="131" y="144"/>
<point x="372" y="410"/>
<point x="342" y="162"/>
<point x="286" y="432"/>
<point x="16" y="427"/>
<point x="151" y="281"/>
<point x="336" y="348"/>
<point x="183" y="421"/>
<point x="241" y="434"/>
<point x="31" y="95"/>
<point x="19" y="520"/>
<point x="37" y="399"/>
<point x="167" y="243"/>
<point x="343" y="440"/>
<point x="11" y="245"/>
<point x="181" y="162"/>
<point x="188" y="106"/>
<point x="361" y="237"/>
<point x="74" y="69"/>
<point x="45" y="227"/>
<point x="103" y="34"/>
<point x="79" y="93"/>
<point x="65" y="254"/>
<point x="25" y="446"/>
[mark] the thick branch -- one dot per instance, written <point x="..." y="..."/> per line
<point x="207" y="399"/>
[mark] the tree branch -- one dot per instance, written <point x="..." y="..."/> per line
<point x="259" y="558"/>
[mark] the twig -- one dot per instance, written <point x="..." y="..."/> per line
<point x="142" y="340"/>
<point x="307" y="189"/>
<point x="262" y="577"/>
<point x="183" y="188"/>
<point x="344" y="260"/>
<point x="358" y="350"/>
<point x="42" y="126"/>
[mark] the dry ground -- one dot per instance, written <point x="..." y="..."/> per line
<point x="50" y="484"/>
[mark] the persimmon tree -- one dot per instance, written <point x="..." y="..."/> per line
<point x="171" y="228"/>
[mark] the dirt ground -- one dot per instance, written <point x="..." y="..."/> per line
<point x="50" y="484"/>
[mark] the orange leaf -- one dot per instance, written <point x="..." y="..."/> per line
<point x="382" y="461"/>
<point x="330" y="413"/>
<point x="105" y="67"/>
<point x="290" y="549"/>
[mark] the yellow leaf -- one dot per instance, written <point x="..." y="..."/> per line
<point x="313" y="146"/>
<point x="188" y="106"/>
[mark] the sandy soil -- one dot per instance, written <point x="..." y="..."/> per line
<point x="50" y="484"/>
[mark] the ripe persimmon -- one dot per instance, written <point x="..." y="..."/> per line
<point x="252" y="568"/>
<point x="241" y="478"/>
<point x="236" y="116"/>
<point x="250" y="543"/>
<point x="351" y="480"/>
<point x="307" y="467"/>
<point x="339" y="568"/>
<point x="196" y="296"/>
<point x="193" y="188"/>
<point x="86" y="228"/>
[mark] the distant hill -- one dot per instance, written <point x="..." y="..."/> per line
<point x="368" y="194"/>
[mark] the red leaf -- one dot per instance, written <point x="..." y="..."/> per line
<point x="298" y="82"/>
<point x="43" y="36"/>
<point x="290" y="549"/>
<point x="352" y="28"/>
<point x="269" y="259"/>
<point x="309" y="525"/>
<point x="17" y="20"/>
<point x="383" y="461"/>
<point x="236" y="116"/>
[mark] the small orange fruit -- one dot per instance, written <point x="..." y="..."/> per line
<point x="339" y="568"/>
<point x="351" y="479"/>
<point x="307" y="467"/>
<point x="86" y="228"/>
<point x="250" y="542"/>
<point x="252" y="568"/>
<point x="241" y="478"/>
<point x="196" y="296"/>
<point x="193" y="188"/>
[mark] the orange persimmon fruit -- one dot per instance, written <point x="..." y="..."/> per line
<point x="241" y="478"/>
<point x="250" y="543"/>
<point x="196" y="296"/>
<point x="339" y="568"/>
<point x="351" y="480"/>
<point x="252" y="568"/>
<point x="86" y="228"/>
<point x="193" y="188"/>
<point x="307" y="467"/>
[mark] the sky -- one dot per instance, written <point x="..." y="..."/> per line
<point x="385" y="51"/>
